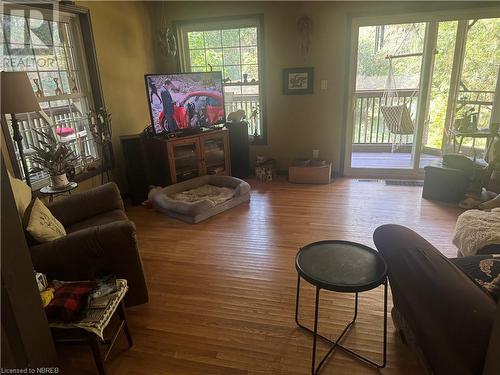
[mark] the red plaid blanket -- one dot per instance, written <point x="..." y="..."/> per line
<point x="70" y="301"/>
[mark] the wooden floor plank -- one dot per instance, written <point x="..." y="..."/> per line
<point x="223" y="291"/>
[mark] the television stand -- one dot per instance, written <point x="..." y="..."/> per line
<point x="172" y="160"/>
<point x="192" y="131"/>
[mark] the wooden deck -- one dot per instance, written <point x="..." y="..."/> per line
<point x="391" y="160"/>
<point x="222" y="292"/>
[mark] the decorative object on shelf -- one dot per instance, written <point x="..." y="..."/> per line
<point x="100" y="127"/>
<point x="74" y="87"/>
<point x="167" y="41"/>
<point x="298" y="81"/>
<point x="17" y="97"/>
<point x="58" y="90"/>
<point x="38" y="92"/>
<point x="53" y="157"/>
<point x="304" y="29"/>
<point x="253" y="119"/>
<point x="89" y="163"/>
<point x="245" y="78"/>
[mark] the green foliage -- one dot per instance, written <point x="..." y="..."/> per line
<point x="231" y="38"/>
<point x="195" y="40"/>
<point x="480" y="68"/>
<point x="228" y="47"/>
<point x="53" y="156"/>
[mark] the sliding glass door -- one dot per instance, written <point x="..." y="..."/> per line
<point x="389" y="66"/>
<point x="464" y="78"/>
<point x="410" y="82"/>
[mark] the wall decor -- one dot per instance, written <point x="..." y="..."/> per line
<point x="304" y="29"/>
<point x="298" y="81"/>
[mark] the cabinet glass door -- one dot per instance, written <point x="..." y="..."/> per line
<point x="186" y="161"/>
<point x="214" y="155"/>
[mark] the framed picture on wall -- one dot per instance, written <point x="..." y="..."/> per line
<point x="298" y="81"/>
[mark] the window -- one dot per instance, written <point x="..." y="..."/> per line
<point x="234" y="48"/>
<point x="48" y="46"/>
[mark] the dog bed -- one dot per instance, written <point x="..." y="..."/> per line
<point x="199" y="198"/>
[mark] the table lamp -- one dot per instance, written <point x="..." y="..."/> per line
<point x="17" y="96"/>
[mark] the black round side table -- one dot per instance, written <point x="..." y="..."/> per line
<point x="340" y="266"/>
<point x="51" y="191"/>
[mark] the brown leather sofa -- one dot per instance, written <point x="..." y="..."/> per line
<point x="440" y="310"/>
<point x="100" y="240"/>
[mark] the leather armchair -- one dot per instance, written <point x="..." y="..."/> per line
<point x="439" y="310"/>
<point x="100" y="240"/>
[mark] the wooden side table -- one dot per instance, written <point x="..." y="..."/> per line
<point x="51" y="191"/>
<point x="90" y="331"/>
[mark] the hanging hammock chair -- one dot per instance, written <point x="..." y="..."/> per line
<point x="397" y="116"/>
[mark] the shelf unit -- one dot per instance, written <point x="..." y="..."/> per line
<point x="172" y="160"/>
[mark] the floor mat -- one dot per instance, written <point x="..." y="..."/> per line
<point x="404" y="182"/>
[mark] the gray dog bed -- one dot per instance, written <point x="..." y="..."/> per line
<point x="197" y="199"/>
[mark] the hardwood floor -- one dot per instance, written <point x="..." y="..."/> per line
<point x="223" y="291"/>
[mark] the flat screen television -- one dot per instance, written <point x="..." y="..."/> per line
<point x="185" y="101"/>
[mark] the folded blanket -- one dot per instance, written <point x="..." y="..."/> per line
<point x="70" y="301"/>
<point x="214" y="194"/>
<point x="476" y="229"/>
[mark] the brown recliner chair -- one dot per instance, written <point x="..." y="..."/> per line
<point x="100" y="240"/>
<point x="439" y="308"/>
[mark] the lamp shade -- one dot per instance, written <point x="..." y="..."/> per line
<point x="17" y="93"/>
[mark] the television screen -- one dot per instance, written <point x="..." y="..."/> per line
<point x="181" y="101"/>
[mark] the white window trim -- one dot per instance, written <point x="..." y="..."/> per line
<point x="184" y="27"/>
<point x="80" y="63"/>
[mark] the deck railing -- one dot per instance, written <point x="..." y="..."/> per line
<point x="248" y="103"/>
<point x="371" y="131"/>
<point x="29" y="124"/>
<point x="369" y="125"/>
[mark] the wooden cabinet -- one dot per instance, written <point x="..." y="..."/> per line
<point x="178" y="159"/>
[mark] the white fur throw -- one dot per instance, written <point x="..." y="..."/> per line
<point x="476" y="229"/>
<point x="213" y="194"/>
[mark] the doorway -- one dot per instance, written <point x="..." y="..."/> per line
<point x="431" y="72"/>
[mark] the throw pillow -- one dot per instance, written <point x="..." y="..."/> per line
<point x="40" y="224"/>
<point x="22" y="194"/>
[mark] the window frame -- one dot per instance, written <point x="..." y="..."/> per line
<point x="221" y="23"/>
<point x="86" y="54"/>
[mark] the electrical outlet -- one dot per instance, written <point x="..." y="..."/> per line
<point x="324" y="84"/>
<point x="315" y="154"/>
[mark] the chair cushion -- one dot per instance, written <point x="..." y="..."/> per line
<point x="22" y="194"/>
<point x="104" y="218"/>
<point x="40" y="224"/>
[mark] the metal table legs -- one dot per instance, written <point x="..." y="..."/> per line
<point x="336" y="344"/>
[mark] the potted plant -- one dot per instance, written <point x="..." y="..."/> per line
<point x="54" y="157"/>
